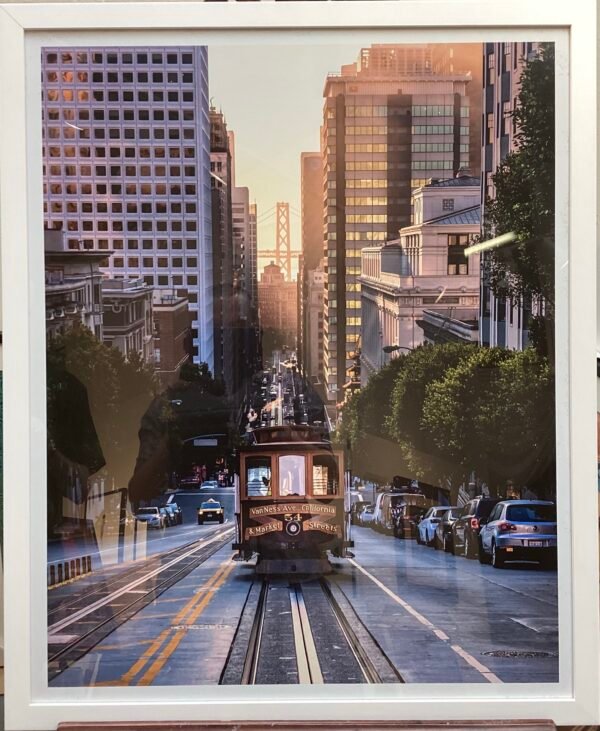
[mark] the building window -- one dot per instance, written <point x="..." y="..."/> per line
<point x="490" y="128"/>
<point x="458" y="263"/>
<point x="447" y="204"/>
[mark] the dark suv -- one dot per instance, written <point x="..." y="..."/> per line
<point x="465" y="530"/>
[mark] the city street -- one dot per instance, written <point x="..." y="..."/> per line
<point x="418" y="615"/>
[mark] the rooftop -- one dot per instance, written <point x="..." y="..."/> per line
<point x="467" y="217"/>
<point x="460" y="181"/>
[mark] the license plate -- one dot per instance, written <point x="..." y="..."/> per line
<point x="536" y="544"/>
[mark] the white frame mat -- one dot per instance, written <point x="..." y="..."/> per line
<point x="24" y="29"/>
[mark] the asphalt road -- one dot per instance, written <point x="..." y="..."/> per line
<point x="437" y="618"/>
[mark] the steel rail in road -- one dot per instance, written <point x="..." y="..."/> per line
<point x="100" y="583"/>
<point x="361" y="656"/>
<point x="128" y="600"/>
<point x="251" y="662"/>
<point x="307" y="659"/>
<point x="367" y="657"/>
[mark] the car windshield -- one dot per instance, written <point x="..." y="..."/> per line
<point x="147" y="511"/>
<point x="211" y="505"/>
<point x="452" y="513"/>
<point x="531" y="513"/>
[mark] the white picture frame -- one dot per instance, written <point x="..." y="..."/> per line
<point x="24" y="29"/>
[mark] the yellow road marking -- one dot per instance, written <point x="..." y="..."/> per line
<point x="143" y="660"/>
<point x="175" y="640"/>
<point x="440" y="634"/>
<point x="139" y="665"/>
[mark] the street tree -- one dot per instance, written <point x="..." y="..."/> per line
<point x="95" y="403"/>
<point x="423" y="366"/>
<point x="493" y="413"/>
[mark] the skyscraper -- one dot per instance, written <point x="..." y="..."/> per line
<point x="384" y="133"/>
<point x="502" y="323"/>
<point x="126" y="166"/>
<point x="311" y="176"/>
<point x="222" y="239"/>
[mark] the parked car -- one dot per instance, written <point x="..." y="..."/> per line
<point x="172" y="514"/>
<point x="519" y="530"/>
<point x="210" y="510"/>
<point x="366" y="515"/>
<point x="355" y="512"/>
<point x="406" y="520"/>
<point x="153" y="517"/>
<point x="190" y="481"/>
<point x="443" y="531"/>
<point x="178" y="512"/>
<point x="388" y="503"/>
<point x="428" y="524"/>
<point x="465" y="530"/>
<point x="169" y="519"/>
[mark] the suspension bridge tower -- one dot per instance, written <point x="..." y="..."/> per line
<point x="283" y="251"/>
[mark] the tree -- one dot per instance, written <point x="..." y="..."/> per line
<point x="524" y="194"/>
<point x="96" y="400"/>
<point x="423" y="367"/>
<point x="493" y="413"/>
<point x="200" y="375"/>
<point x="363" y="424"/>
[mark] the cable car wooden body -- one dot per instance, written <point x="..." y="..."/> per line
<point x="292" y="502"/>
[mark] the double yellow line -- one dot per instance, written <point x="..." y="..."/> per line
<point x="169" y="639"/>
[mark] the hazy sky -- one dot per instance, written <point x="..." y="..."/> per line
<point x="272" y="97"/>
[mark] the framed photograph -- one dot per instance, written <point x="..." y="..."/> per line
<point x="298" y="361"/>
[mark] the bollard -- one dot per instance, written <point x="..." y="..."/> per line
<point x="52" y="575"/>
<point x="78" y="566"/>
<point x="89" y="563"/>
<point x="60" y="573"/>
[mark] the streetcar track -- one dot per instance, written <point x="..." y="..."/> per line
<point x="66" y="606"/>
<point x="60" y="659"/>
<point x="363" y="651"/>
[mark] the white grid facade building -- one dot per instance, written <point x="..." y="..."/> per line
<point x="126" y="157"/>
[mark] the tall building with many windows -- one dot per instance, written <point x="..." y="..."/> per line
<point x="311" y="186"/>
<point x="126" y="166"/>
<point x="222" y="248"/>
<point x="503" y="323"/>
<point x="383" y="134"/>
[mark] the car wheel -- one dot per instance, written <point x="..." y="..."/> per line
<point x="221" y="519"/>
<point x="200" y="522"/>
<point x="484" y="557"/>
<point x="497" y="557"/>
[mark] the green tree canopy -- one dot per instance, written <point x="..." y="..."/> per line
<point x="524" y="192"/>
<point x="493" y="413"/>
<point x="96" y="400"/>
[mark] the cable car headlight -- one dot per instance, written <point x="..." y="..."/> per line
<point x="293" y="528"/>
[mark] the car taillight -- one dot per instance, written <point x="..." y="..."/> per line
<point x="504" y="527"/>
<point x="474" y="523"/>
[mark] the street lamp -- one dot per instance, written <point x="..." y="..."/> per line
<point x="394" y="348"/>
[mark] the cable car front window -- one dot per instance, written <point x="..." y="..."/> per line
<point x="325" y="475"/>
<point x="258" y="476"/>
<point x="292" y="475"/>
